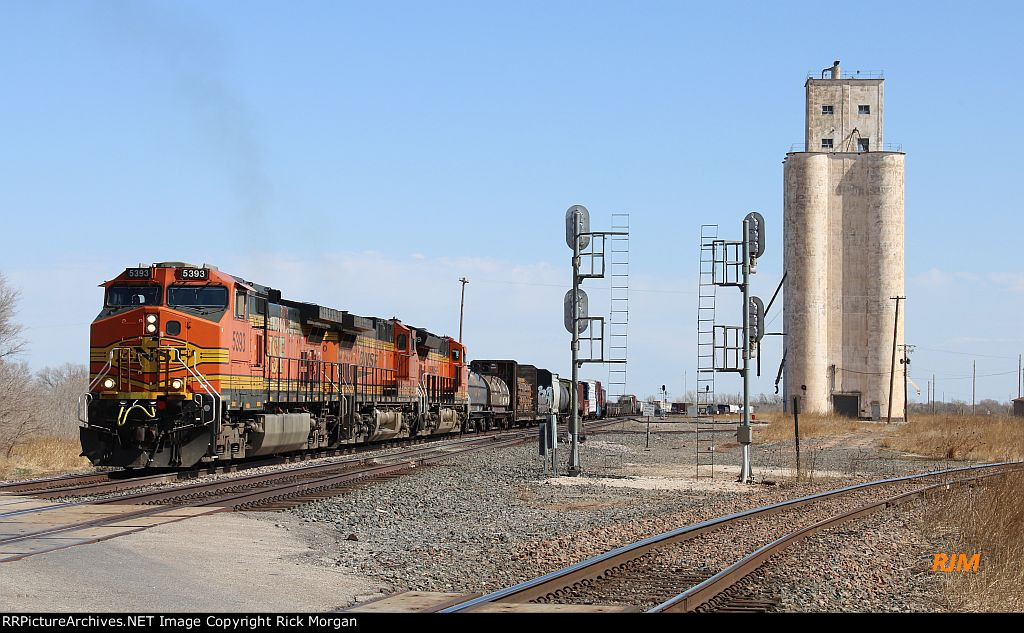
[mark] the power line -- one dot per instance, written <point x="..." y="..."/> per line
<point x="968" y="377"/>
<point x="539" y="284"/>
<point x="948" y="351"/>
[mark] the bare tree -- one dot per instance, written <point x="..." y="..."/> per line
<point x="59" y="388"/>
<point x="11" y="343"/>
<point x="19" y="413"/>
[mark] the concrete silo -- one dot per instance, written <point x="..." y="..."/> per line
<point x="843" y="253"/>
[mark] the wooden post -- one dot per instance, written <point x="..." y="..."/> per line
<point x="796" y="433"/>
<point x="892" y="371"/>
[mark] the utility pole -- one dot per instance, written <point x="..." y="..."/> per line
<point x="1019" y="375"/>
<point x="892" y="371"/>
<point x="933" y="394"/>
<point x="974" y="383"/>
<point x="905" y="361"/>
<point x="462" y="305"/>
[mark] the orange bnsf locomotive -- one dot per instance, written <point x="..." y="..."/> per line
<point x="188" y="364"/>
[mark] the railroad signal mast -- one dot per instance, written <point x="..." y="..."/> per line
<point x="589" y="247"/>
<point x="732" y="264"/>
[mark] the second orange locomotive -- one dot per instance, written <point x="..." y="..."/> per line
<point x="189" y="364"/>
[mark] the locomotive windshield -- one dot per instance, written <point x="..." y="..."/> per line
<point x="197" y="296"/>
<point x="120" y="296"/>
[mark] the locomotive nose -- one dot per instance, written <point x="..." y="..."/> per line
<point x="148" y="364"/>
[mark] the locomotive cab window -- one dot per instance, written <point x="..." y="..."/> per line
<point x="403" y="343"/>
<point x="455" y="355"/>
<point x="122" y="296"/>
<point x="197" y="296"/>
<point x="240" y="303"/>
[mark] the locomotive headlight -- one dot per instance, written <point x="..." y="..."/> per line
<point x="151" y="328"/>
<point x="176" y="384"/>
<point x="109" y="383"/>
<point x="151" y="318"/>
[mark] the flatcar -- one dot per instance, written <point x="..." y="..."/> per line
<point x="189" y="364"/>
<point x="489" y="402"/>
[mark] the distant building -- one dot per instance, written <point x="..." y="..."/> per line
<point x="1018" y="407"/>
<point x="682" y="407"/>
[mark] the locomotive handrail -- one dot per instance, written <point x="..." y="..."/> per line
<point x="327" y="379"/>
<point x="218" y="400"/>
<point x="106" y="369"/>
<point x="87" y="396"/>
<point x="84" y="419"/>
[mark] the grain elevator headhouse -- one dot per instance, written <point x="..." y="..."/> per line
<point x="843" y="251"/>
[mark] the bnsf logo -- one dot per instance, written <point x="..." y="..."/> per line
<point x="948" y="563"/>
<point x="367" y="360"/>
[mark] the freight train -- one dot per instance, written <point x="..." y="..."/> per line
<point x="190" y="365"/>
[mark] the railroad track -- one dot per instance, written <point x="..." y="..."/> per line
<point x="29" y="527"/>
<point x="88" y="484"/>
<point x="52" y="483"/>
<point x="659" y="574"/>
<point x="247" y="492"/>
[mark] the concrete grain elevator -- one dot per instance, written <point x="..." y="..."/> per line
<point x="843" y="253"/>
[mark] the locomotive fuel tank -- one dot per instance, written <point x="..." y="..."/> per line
<point x="279" y="433"/>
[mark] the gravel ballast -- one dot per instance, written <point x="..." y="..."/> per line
<point x="493" y="518"/>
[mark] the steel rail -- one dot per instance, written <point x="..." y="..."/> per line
<point x="550" y="585"/>
<point x="405" y="449"/>
<point x="39" y="485"/>
<point x="346" y="465"/>
<point x="359" y="469"/>
<point x="43" y="487"/>
<point x="719" y="585"/>
<point x="242" y="499"/>
<point x="247" y="499"/>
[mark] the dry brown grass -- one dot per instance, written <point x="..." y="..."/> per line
<point x="780" y="426"/>
<point x="43" y="456"/>
<point x="986" y="520"/>
<point x="978" y="438"/>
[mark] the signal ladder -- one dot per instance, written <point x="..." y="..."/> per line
<point x="705" y="400"/>
<point x="618" y="318"/>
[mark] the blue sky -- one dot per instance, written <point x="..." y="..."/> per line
<point x="367" y="155"/>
